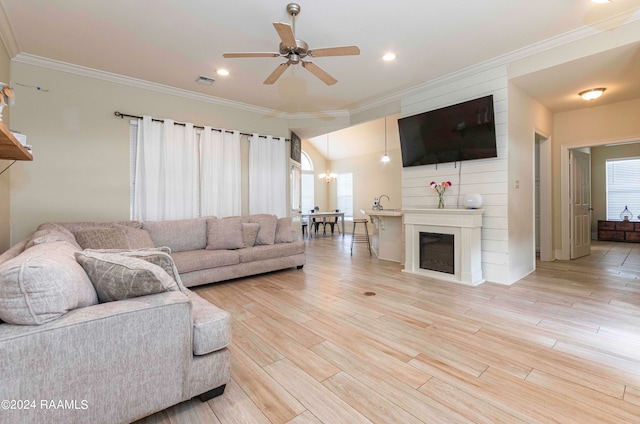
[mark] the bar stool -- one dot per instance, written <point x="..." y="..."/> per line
<point x="357" y="238"/>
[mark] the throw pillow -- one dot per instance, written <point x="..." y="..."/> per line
<point x="158" y="256"/>
<point x="102" y="238"/>
<point x="267" y="230"/>
<point x="249" y="233"/>
<point x="42" y="284"/>
<point x="119" y="277"/>
<point x="283" y="230"/>
<point x="225" y="233"/>
<point x="138" y="238"/>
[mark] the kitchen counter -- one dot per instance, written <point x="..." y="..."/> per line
<point x="388" y="237"/>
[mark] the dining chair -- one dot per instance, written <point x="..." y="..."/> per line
<point x="334" y="223"/>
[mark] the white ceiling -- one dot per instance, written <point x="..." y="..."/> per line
<point x="172" y="42"/>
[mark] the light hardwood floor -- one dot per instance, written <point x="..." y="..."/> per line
<point x="560" y="346"/>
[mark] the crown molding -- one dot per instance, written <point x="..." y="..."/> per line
<point x="503" y="60"/>
<point x="6" y="34"/>
<point x="43" y="62"/>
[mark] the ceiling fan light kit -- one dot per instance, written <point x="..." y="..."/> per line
<point x="295" y="51"/>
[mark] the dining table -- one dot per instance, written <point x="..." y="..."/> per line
<point x="324" y="216"/>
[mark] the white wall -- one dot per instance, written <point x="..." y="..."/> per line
<point x="592" y="126"/>
<point x="526" y="116"/>
<point x="489" y="177"/>
<point x="81" y="150"/>
<point x="320" y="189"/>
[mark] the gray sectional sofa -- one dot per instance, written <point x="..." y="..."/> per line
<point x="97" y="324"/>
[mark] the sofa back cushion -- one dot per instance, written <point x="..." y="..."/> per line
<point x="118" y="277"/>
<point x="43" y="283"/>
<point x="225" y="233"/>
<point x="49" y="232"/>
<point x="180" y="235"/>
<point x="75" y="226"/>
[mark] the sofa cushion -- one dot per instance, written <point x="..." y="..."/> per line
<point x="267" y="230"/>
<point x="259" y="253"/>
<point x="117" y="277"/>
<point x="249" y="233"/>
<point x="49" y="232"/>
<point x="180" y="235"/>
<point x="283" y="230"/>
<point x="75" y="226"/>
<point x="211" y="326"/>
<point x="195" y="260"/>
<point x="42" y="284"/>
<point x="138" y="238"/>
<point x="225" y="233"/>
<point x="102" y="238"/>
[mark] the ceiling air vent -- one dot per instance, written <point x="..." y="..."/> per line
<point x="205" y="80"/>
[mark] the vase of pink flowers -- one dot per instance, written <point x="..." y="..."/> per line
<point x="440" y="189"/>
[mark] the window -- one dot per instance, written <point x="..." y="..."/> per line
<point x="308" y="183"/>
<point x="345" y="194"/>
<point x="623" y="186"/>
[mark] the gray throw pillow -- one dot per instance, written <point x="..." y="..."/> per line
<point x="102" y="238"/>
<point x="249" y="233"/>
<point x="119" y="277"/>
<point x="283" y="230"/>
<point x="267" y="230"/>
<point x="225" y="233"/>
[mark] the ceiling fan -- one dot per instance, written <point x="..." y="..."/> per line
<point x="296" y="50"/>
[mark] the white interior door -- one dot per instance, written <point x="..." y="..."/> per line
<point x="580" y="200"/>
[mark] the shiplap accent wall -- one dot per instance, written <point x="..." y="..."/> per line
<point x="488" y="177"/>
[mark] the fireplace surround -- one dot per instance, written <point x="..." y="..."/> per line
<point x="464" y="226"/>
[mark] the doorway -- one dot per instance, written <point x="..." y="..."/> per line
<point x="542" y="197"/>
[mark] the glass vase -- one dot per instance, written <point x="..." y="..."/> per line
<point x="440" y="200"/>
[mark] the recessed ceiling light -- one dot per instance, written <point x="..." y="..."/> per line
<point x="222" y="72"/>
<point x="204" y="80"/>
<point x="388" y="57"/>
<point x="592" y="93"/>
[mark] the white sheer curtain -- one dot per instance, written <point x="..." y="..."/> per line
<point x="166" y="177"/>
<point x="267" y="175"/>
<point x="220" y="176"/>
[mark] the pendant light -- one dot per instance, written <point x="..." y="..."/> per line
<point x="385" y="158"/>
<point x="328" y="176"/>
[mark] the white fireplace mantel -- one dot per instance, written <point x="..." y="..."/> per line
<point x="466" y="227"/>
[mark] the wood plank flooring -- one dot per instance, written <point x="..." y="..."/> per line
<point x="560" y="346"/>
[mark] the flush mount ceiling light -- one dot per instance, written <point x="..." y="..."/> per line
<point x="592" y="93"/>
<point x="222" y="72"/>
<point x="601" y="1"/>
<point x="204" y="80"/>
<point x="388" y="57"/>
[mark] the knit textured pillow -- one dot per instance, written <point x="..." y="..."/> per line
<point x="119" y="277"/>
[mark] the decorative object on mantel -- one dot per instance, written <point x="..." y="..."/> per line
<point x="328" y="177"/>
<point x="626" y="215"/>
<point x="440" y="189"/>
<point x="472" y="201"/>
<point x="6" y="96"/>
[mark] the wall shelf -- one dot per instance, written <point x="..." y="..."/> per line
<point x="10" y="147"/>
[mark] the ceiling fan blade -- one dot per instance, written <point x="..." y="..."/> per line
<point x="335" y="51"/>
<point x="276" y="73"/>
<point x="286" y="34"/>
<point x="237" y="55"/>
<point x="319" y="72"/>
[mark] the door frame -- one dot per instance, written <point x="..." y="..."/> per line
<point x="564" y="253"/>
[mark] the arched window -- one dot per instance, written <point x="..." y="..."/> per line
<point x="308" y="182"/>
<point x="306" y="163"/>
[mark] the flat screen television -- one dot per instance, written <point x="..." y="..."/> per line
<point x="464" y="131"/>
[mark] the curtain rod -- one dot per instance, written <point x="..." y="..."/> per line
<point x="126" y="115"/>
